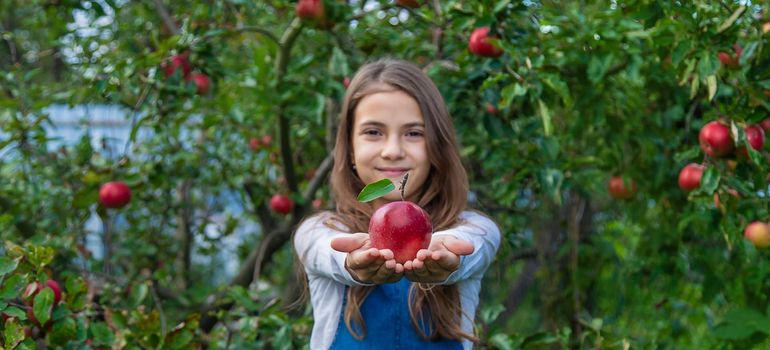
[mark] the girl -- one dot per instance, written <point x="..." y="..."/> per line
<point x="394" y="122"/>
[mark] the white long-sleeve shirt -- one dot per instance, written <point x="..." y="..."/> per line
<point x="327" y="276"/>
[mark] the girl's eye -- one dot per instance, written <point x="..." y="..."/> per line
<point x="414" y="133"/>
<point x="374" y="132"/>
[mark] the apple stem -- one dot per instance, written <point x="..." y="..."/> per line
<point x="403" y="185"/>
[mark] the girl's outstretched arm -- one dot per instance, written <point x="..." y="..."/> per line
<point x="365" y="263"/>
<point x="313" y="244"/>
<point x="456" y="254"/>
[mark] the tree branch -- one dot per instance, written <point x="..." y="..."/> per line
<point x="167" y="20"/>
<point x="281" y="62"/>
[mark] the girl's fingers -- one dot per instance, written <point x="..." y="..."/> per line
<point x="458" y="246"/>
<point x="423" y="254"/>
<point x="399" y="268"/>
<point x="350" y="242"/>
<point x="362" y="259"/>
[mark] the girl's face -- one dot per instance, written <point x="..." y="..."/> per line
<point x="389" y="141"/>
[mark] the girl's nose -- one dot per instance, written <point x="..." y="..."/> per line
<point x="392" y="148"/>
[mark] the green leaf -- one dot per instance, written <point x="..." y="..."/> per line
<point x="680" y="52"/>
<point x="598" y="67"/>
<point x="558" y="85"/>
<point x="102" y="334"/>
<point x="502" y="341"/>
<point x="538" y="340"/>
<point x="63" y="331"/>
<point x="707" y="65"/>
<point x="710" y="180"/>
<point x="241" y="296"/>
<point x="732" y="331"/>
<point x="545" y="115"/>
<point x="17" y="312"/>
<point x="179" y="340"/>
<point x="338" y="65"/>
<point x="40" y="256"/>
<point x="748" y="53"/>
<point x="750" y="319"/>
<point x="510" y="92"/>
<point x="138" y="293"/>
<point x="7" y="265"/>
<point x="12" y="287"/>
<point x="711" y="80"/>
<point x="376" y="190"/>
<point x="13" y="335"/>
<point x="490" y="313"/>
<point x="43" y="305"/>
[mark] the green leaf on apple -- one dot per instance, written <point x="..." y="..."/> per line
<point x="43" y="305"/>
<point x="376" y="190"/>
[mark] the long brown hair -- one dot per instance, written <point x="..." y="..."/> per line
<point x="443" y="196"/>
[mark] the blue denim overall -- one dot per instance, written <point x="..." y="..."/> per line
<point x="388" y="324"/>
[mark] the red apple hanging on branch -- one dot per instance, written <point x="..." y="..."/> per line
<point x="479" y="44"/>
<point x="202" y="83"/>
<point x="689" y="176"/>
<point x="755" y="135"/>
<point x="715" y="139"/>
<point x="177" y="62"/>
<point x="310" y="9"/>
<point x="729" y="60"/>
<point x="114" y="194"/>
<point x="758" y="233"/>
<point x="619" y="189"/>
<point x="281" y="204"/>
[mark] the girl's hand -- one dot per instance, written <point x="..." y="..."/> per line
<point x="365" y="263"/>
<point x="435" y="264"/>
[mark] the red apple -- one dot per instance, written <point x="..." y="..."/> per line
<point x="175" y="62"/>
<point x="254" y="144"/>
<point x="729" y="60"/>
<point x="114" y="194"/>
<point x="346" y="82"/>
<point x="618" y="188"/>
<point x="758" y="233"/>
<point x="715" y="139"/>
<point x="756" y="138"/>
<point x="281" y="204"/>
<point x="479" y="45"/>
<point x="408" y="3"/>
<point x="310" y="9"/>
<point x="267" y="139"/>
<point x="318" y="203"/>
<point x="36" y="287"/>
<point x="491" y="109"/>
<point x="402" y="227"/>
<point x="202" y="83"/>
<point x="765" y="124"/>
<point x="689" y="176"/>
